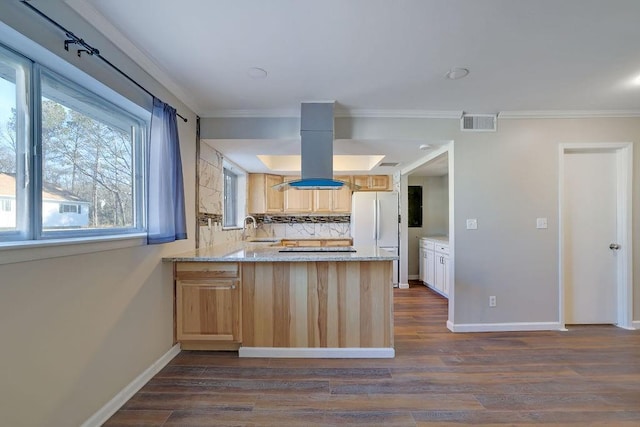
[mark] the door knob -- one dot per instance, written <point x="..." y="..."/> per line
<point x="614" y="246"/>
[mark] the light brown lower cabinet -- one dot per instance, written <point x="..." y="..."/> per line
<point x="220" y="306"/>
<point x="316" y="242"/>
<point x="208" y="309"/>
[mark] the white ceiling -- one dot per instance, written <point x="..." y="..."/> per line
<point x="383" y="56"/>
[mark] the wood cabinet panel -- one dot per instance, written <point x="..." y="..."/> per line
<point x="208" y="303"/>
<point x="262" y="197"/>
<point x="323" y="200"/>
<point x="317" y="304"/>
<point x="341" y="199"/>
<point x="379" y="182"/>
<point x="207" y="310"/>
<point x="297" y="200"/>
<point x="316" y="242"/>
<point x="372" y="182"/>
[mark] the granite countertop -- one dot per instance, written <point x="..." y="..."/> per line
<point x="265" y="252"/>
<point x="441" y="239"/>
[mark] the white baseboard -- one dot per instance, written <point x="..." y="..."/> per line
<point x="317" y="352"/>
<point x="403" y="286"/>
<point x="504" y="327"/>
<point x="635" y="324"/>
<point x="112" y="406"/>
<point x="413" y="277"/>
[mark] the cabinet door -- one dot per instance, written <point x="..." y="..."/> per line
<point x="421" y="263"/>
<point x="446" y="276"/>
<point x="208" y="310"/>
<point x="430" y="267"/>
<point x="341" y="199"/>
<point x="297" y="200"/>
<point x="262" y="198"/>
<point x="341" y="242"/>
<point x="440" y="273"/>
<point x="379" y="182"/>
<point x="322" y="200"/>
<point x="275" y="200"/>
<point x="361" y="181"/>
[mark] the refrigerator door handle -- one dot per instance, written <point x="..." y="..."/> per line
<point x="375" y="222"/>
<point x="378" y="219"/>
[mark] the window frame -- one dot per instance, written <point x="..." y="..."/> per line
<point x="29" y="226"/>
<point x="230" y="198"/>
<point x="240" y="198"/>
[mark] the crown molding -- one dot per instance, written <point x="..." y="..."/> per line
<point x="144" y="60"/>
<point x="282" y="113"/>
<point x="227" y="114"/>
<point x="568" y="114"/>
<point x="400" y="114"/>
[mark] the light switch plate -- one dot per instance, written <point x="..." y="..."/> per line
<point x="541" y="222"/>
<point x="472" y="224"/>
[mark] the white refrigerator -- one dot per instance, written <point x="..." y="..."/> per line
<point x="374" y="222"/>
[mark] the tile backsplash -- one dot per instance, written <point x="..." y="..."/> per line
<point x="304" y="230"/>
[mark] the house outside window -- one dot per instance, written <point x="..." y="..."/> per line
<point x="71" y="162"/>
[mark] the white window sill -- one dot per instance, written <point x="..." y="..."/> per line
<point x="32" y="250"/>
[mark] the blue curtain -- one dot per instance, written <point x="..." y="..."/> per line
<point x="166" y="220"/>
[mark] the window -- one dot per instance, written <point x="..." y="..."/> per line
<point x="6" y="205"/>
<point x="65" y="208"/>
<point x="230" y="217"/>
<point x="84" y="174"/>
<point x="235" y="195"/>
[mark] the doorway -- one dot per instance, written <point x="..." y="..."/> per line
<point x="595" y="234"/>
<point x="436" y="167"/>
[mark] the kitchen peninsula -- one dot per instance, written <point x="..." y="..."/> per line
<point x="268" y="300"/>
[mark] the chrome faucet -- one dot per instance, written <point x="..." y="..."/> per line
<point x="244" y="225"/>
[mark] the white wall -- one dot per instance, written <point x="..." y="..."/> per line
<point x="75" y="330"/>
<point x="505" y="180"/>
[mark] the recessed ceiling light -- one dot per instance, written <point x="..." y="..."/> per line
<point x="425" y="146"/>
<point x="457" y="73"/>
<point x="257" y="73"/>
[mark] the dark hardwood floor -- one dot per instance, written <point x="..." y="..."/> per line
<point x="587" y="376"/>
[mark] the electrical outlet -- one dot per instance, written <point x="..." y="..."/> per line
<point x="492" y="301"/>
<point x="472" y="224"/>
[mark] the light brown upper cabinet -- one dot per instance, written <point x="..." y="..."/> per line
<point x="372" y="182"/>
<point x="300" y="201"/>
<point x="333" y="201"/>
<point x="262" y="197"/>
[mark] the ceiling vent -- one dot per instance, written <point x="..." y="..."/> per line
<point x="478" y="122"/>
<point x="389" y="164"/>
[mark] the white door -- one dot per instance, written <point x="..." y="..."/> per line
<point x="590" y="209"/>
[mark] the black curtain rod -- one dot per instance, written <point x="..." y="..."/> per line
<point x="88" y="49"/>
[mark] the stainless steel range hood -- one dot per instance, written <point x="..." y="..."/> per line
<point x="316" y="135"/>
